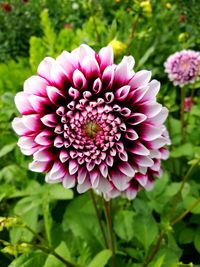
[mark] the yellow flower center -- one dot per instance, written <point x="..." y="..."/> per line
<point x="92" y="129"/>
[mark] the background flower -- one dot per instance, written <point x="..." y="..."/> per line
<point x="183" y="67"/>
<point x="92" y="124"/>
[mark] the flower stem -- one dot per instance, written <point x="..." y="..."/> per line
<point x="180" y="217"/>
<point x="178" y="194"/>
<point x="55" y="254"/>
<point x="98" y="219"/>
<point x="108" y="215"/>
<point x="155" y="249"/>
<point x="182" y="115"/>
<point x="47" y="249"/>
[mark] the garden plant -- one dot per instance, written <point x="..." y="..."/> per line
<point x="100" y="133"/>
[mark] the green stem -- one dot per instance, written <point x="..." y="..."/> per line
<point x="180" y="217"/>
<point x="155" y="249"/>
<point x="108" y="215"/>
<point x="182" y="115"/>
<point x="178" y="194"/>
<point x="54" y="253"/>
<point x="98" y="219"/>
<point x="48" y="249"/>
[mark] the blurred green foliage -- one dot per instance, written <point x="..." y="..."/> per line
<point x="32" y="30"/>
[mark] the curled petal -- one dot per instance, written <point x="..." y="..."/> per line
<point x="136" y="118"/>
<point x="97" y="85"/>
<point x="79" y="80"/>
<point x="55" y="96"/>
<point x="64" y="156"/>
<point x="131" y="134"/>
<point x="122" y="93"/>
<point x="49" y="120"/>
<point x="74" y="93"/>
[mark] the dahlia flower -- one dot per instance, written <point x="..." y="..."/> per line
<point x="92" y="124"/>
<point x="183" y="67"/>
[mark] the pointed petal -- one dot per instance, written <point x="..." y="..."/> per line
<point x="23" y="104"/>
<point x="45" y="67"/>
<point x="140" y="78"/>
<point x="105" y="57"/>
<point x="35" y="85"/>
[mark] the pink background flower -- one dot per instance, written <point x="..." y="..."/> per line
<point x="92" y="124"/>
<point x="183" y="67"/>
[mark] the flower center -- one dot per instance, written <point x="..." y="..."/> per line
<point x="92" y="129"/>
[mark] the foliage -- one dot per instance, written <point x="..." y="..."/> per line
<point x="40" y="223"/>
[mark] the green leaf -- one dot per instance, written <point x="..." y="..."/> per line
<point x="171" y="259"/>
<point x="183" y="150"/>
<point x="101" y="258"/>
<point x="29" y="260"/>
<point x="186" y="235"/>
<point x="63" y="251"/>
<point x="197" y="240"/>
<point x="188" y="201"/>
<point x="145" y="230"/>
<point x="58" y="192"/>
<point x="81" y="219"/>
<point x="28" y="210"/>
<point x="7" y="149"/>
<point x="158" y="262"/>
<point x="123" y="224"/>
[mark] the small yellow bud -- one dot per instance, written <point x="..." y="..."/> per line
<point x="146" y="8"/>
<point x="118" y="47"/>
<point x="183" y="37"/>
<point x="190" y="264"/>
<point x="168" y="5"/>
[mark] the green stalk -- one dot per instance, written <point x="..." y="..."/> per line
<point x="98" y="218"/>
<point x="108" y="215"/>
<point x="182" y="114"/>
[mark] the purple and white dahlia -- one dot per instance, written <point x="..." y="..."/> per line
<point x="92" y="124"/>
<point x="183" y="67"/>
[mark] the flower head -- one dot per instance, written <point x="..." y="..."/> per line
<point x="92" y="124"/>
<point x="183" y="67"/>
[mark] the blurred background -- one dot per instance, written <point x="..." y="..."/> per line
<point x="150" y="31"/>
